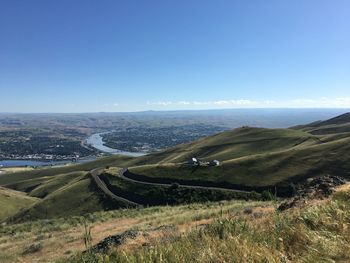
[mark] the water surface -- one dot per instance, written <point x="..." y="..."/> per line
<point x="97" y="142"/>
<point x="23" y="163"/>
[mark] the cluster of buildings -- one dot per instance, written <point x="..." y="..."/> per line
<point x="40" y="157"/>
<point x="196" y="162"/>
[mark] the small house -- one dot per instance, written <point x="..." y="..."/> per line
<point x="193" y="161"/>
<point x="214" y="163"/>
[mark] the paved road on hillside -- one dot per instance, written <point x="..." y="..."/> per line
<point x="123" y="176"/>
<point x="95" y="176"/>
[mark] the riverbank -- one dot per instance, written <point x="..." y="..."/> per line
<point x="7" y="170"/>
<point x="96" y="141"/>
<point x="40" y="163"/>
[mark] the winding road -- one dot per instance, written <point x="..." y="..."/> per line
<point x="95" y="173"/>
<point x="123" y="176"/>
<point x="95" y="176"/>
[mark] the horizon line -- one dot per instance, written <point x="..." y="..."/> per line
<point x="186" y="110"/>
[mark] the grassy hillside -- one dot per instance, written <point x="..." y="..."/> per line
<point x="232" y="144"/>
<point x="55" y="183"/>
<point x="41" y="186"/>
<point x="168" y="194"/>
<point x="258" y="157"/>
<point x="338" y="120"/>
<point x="229" y="145"/>
<point x="64" y="237"/>
<point x="251" y="159"/>
<point x="75" y="199"/>
<point x="10" y="179"/>
<point x="63" y="203"/>
<point x="228" y="231"/>
<point x="65" y="195"/>
<point x="339" y="124"/>
<point x="263" y="169"/>
<point x="11" y="202"/>
<point x="317" y="232"/>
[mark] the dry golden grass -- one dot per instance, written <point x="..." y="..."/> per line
<point x="64" y="239"/>
<point x="229" y="231"/>
<point x="16" y="169"/>
<point x="315" y="232"/>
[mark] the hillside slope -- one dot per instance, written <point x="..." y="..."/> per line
<point x="232" y="144"/>
<point x="11" y="202"/>
<point x="64" y="195"/>
<point x="336" y="125"/>
<point x="262" y="170"/>
<point x="255" y="157"/>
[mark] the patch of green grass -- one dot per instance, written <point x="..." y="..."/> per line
<point x="45" y="172"/>
<point x="77" y="198"/>
<point x="232" y="144"/>
<point x="173" y="194"/>
<point x="263" y="169"/>
<point x="11" y="202"/>
<point x="52" y="184"/>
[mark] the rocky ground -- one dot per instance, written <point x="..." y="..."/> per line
<point x="313" y="188"/>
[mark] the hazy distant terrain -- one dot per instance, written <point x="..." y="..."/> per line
<point x="63" y="135"/>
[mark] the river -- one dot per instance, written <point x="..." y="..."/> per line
<point x="96" y="141"/>
<point x="23" y="163"/>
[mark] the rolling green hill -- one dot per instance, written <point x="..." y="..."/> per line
<point x="61" y="191"/>
<point x="265" y="169"/>
<point x="77" y="198"/>
<point x="341" y="119"/>
<point x="11" y="202"/>
<point x="251" y="159"/>
<point x="62" y="195"/>
<point x="257" y="157"/>
<point x="232" y="144"/>
<point x="337" y="125"/>
<point x="9" y="179"/>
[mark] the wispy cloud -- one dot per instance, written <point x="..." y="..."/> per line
<point x="343" y="102"/>
<point x="323" y="102"/>
<point x="220" y="103"/>
<point x="161" y="103"/>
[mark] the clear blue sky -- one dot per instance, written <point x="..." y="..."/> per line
<point x="87" y="56"/>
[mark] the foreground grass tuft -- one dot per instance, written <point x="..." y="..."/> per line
<point x="316" y="233"/>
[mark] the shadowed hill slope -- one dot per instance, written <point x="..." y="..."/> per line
<point x="339" y="124"/>
<point x="45" y="173"/>
<point x="263" y="169"/>
<point x="232" y="144"/>
<point x="341" y="119"/>
<point x="11" y="202"/>
<point x="65" y="195"/>
<point x="256" y="157"/>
